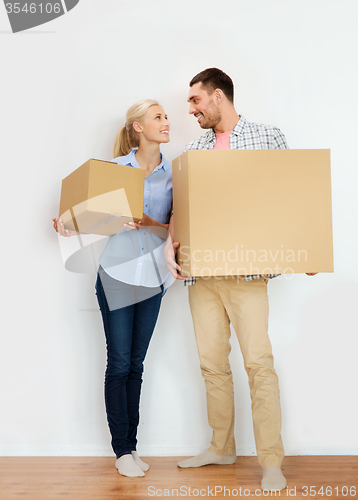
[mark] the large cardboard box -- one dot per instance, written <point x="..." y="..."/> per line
<point x="99" y="197"/>
<point x="242" y="212"/>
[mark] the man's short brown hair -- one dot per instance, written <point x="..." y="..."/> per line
<point x="213" y="78"/>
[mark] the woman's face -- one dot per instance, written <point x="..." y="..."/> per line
<point x="155" y="126"/>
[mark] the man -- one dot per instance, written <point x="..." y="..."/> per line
<point x="241" y="300"/>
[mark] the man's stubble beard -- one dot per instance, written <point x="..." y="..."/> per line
<point x="211" y="119"/>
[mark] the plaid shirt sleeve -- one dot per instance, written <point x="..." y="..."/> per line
<point x="279" y="140"/>
<point x="205" y="141"/>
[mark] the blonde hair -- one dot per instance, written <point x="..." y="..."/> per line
<point x="127" y="138"/>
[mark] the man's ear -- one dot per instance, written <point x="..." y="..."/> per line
<point x="137" y="127"/>
<point x="218" y="95"/>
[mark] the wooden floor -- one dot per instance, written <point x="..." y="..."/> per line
<point x="53" y="478"/>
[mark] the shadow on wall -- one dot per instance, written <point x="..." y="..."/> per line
<point x="326" y="363"/>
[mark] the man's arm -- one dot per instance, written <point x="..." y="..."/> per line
<point x="170" y="251"/>
<point x="279" y="140"/>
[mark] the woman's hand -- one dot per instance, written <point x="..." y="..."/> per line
<point x="132" y="225"/>
<point x="145" y="221"/>
<point x="60" y="228"/>
<point x="155" y="227"/>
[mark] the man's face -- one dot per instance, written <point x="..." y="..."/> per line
<point x="203" y="106"/>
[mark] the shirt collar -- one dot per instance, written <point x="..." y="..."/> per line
<point x="239" y="127"/>
<point x="132" y="161"/>
<point x="237" y="130"/>
<point x="210" y="135"/>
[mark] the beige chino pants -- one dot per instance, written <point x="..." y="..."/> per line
<point x="214" y="303"/>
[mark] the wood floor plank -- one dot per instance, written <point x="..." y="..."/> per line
<point x="95" y="478"/>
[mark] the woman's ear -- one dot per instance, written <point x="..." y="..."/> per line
<point x="137" y="127"/>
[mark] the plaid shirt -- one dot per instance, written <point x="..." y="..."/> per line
<point x="245" y="135"/>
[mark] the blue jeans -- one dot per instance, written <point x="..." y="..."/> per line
<point x="128" y="331"/>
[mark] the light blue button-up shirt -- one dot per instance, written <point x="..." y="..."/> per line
<point x="136" y="256"/>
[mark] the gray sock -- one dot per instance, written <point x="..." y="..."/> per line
<point x="273" y="479"/>
<point x="207" y="458"/>
<point x="127" y="466"/>
<point x="139" y="462"/>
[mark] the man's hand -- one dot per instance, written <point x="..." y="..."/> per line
<point x="311" y="274"/>
<point x="60" y="228"/>
<point x="170" y="251"/>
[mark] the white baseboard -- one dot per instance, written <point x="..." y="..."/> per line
<point x="151" y="451"/>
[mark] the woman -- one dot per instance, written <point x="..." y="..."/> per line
<point x="131" y="277"/>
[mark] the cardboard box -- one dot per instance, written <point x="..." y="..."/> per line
<point x="243" y="212"/>
<point x="99" y="197"/>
